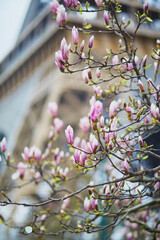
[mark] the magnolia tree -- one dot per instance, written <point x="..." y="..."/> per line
<point x="127" y="196"/>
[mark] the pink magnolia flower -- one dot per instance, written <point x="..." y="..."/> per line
<point x="84" y="145"/>
<point x="85" y="75"/>
<point x="61" y="16"/>
<point x="115" y="61"/>
<point x="75" y="35"/>
<point x="93" y="203"/>
<point x="125" y="165"/>
<point x="96" y="111"/>
<point x="82" y="158"/>
<point x="86" y="204"/>
<point x="84" y="124"/>
<point x="37" y="177"/>
<point x="58" y="125"/>
<point x="25" y="154"/>
<point x="140" y="84"/>
<point x="147" y="119"/>
<point x="144" y="60"/>
<point x="107" y="137"/>
<point x="157" y="185"/>
<point x="21" y="169"/>
<point x="145" y="7"/>
<point x="154" y="111"/>
<point x="140" y="140"/>
<point x="107" y="17"/>
<point x="82" y="46"/>
<point x="76" y="142"/>
<point x="35" y="152"/>
<point x="98" y="91"/>
<point x="149" y="85"/>
<point x="101" y="121"/>
<point x="99" y="3"/>
<point x="114" y="107"/>
<point x="68" y="2"/>
<point x="77" y="155"/>
<point x="53" y="108"/>
<point x="75" y="3"/>
<point x="65" y="49"/>
<point x="43" y="218"/>
<point x="98" y="73"/>
<point x="93" y="142"/>
<point x="136" y="60"/>
<point x="130" y="67"/>
<point x="65" y="203"/>
<point x="91" y="40"/>
<point x="54" y="5"/>
<point x="59" y="61"/>
<point x="3" y="145"/>
<point x="69" y="134"/>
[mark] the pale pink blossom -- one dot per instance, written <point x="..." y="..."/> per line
<point x="82" y="45"/>
<point x="98" y="73"/>
<point x="140" y="141"/>
<point x="107" y="16"/>
<point x="65" y="203"/>
<point x="91" y="40"/>
<point x="144" y="60"/>
<point x="43" y="218"/>
<point x="69" y="134"/>
<point x="86" y="204"/>
<point x="75" y="35"/>
<point x="125" y="165"/>
<point x="3" y="145"/>
<point x="54" y="5"/>
<point x="58" y="125"/>
<point x="59" y="61"/>
<point x="86" y="75"/>
<point x="84" y="124"/>
<point x="68" y="2"/>
<point x="101" y="121"/>
<point x="93" y="142"/>
<point x="136" y="60"/>
<point x="37" y="177"/>
<point x="82" y="158"/>
<point x="76" y="142"/>
<point x="25" y="154"/>
<point x="114" y="106"/>
<point x="65" y="49"/>
<point x="61" y="16"/>
<point x="75" y="3"/>
<point x="53" y="108"/>
<point x="115" y="62"/>
<point x="154" y="111"/>
<point x="145" y="7"/>
<point x="21" y="169"/>
<point x="99" y="3"/>
<point x="140" y="84"/>
<point x="77" y="155"/>
<point x="98" y="91"/>
<point x="96" y="111"/>
<point x="147" y="119"/>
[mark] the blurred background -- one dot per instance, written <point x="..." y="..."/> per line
<point x="29" y="78"/>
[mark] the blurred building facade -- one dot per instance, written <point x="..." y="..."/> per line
<point x="29" y="78"/>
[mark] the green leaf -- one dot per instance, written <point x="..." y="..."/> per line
<point x="149" y="19"/>
<point x="145" y="157"/>
<point x="88" y="26"/>
<point x="147" y="66"/>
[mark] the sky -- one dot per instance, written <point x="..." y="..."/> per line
<point x="12" y="14"/>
